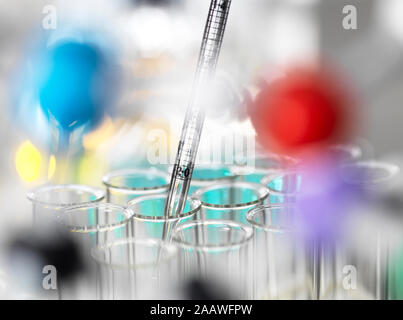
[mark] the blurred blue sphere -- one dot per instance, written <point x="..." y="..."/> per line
<point x="74" y="85"/>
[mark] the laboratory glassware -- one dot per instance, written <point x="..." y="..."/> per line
<point x="124" y="185"/>
<point x="149" y="218"/>
<point x="230" y="200"/>
<point x="217" y="252"/>
<point x="91" y="226"/>
<point x="194" y="118"/>
<point x="137" y="268"/>
<point x="280" y="258"/>
<point x="50" y="200"/>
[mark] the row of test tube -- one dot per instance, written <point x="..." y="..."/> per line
<point x="235" y="236"/>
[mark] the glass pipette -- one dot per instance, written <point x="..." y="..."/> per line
<point x="194" y="118"/>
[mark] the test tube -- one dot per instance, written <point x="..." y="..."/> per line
<point x="93" y="225"/>
<point x="374" y="227"/>
<point x="283" y="186"/>
<point x="149" y="215"/>
<point x="133" y="269"/>
<point x="124" y="185"/>
<point x="48" y="201"/>
<point x="280" y="259"/>
<point x="230" y="200"/>
<point x="217" y="251"/>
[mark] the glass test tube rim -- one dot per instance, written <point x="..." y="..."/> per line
<point x="251" y="215"/>
<point x="106" y="180"/>
<point x="195" y="203"/>
<point x="353" y="150"/>
<point x="225" y="223"/>
<point x="288" y="161"/>
<point x="273" y="174"/>
<point x="248" y="170"/>
<point x="98" y="228"/>
<point x="33" y="195"/>
<point x="263" y="192"/>
<point x="278" y="174"/>
<point x="167" y="247"/>
<point x="391" y="169"/>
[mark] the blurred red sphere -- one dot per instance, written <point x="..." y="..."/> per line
<point x="304" y="110"/>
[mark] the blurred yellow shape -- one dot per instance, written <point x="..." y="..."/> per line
<point x="52" y="166"/>
<point x="28" y="161"/>
<point x="152" y="67"/>
<point x="92" y="140"/>
<point x="91" y="168"/>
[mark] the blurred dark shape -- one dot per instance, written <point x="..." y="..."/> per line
<point x="158" y="2"/>
<point x="198" y="289"/>
<point x="303" y="111"/>
<point x="393" y="203"/>
<point x="39" y="249"/>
